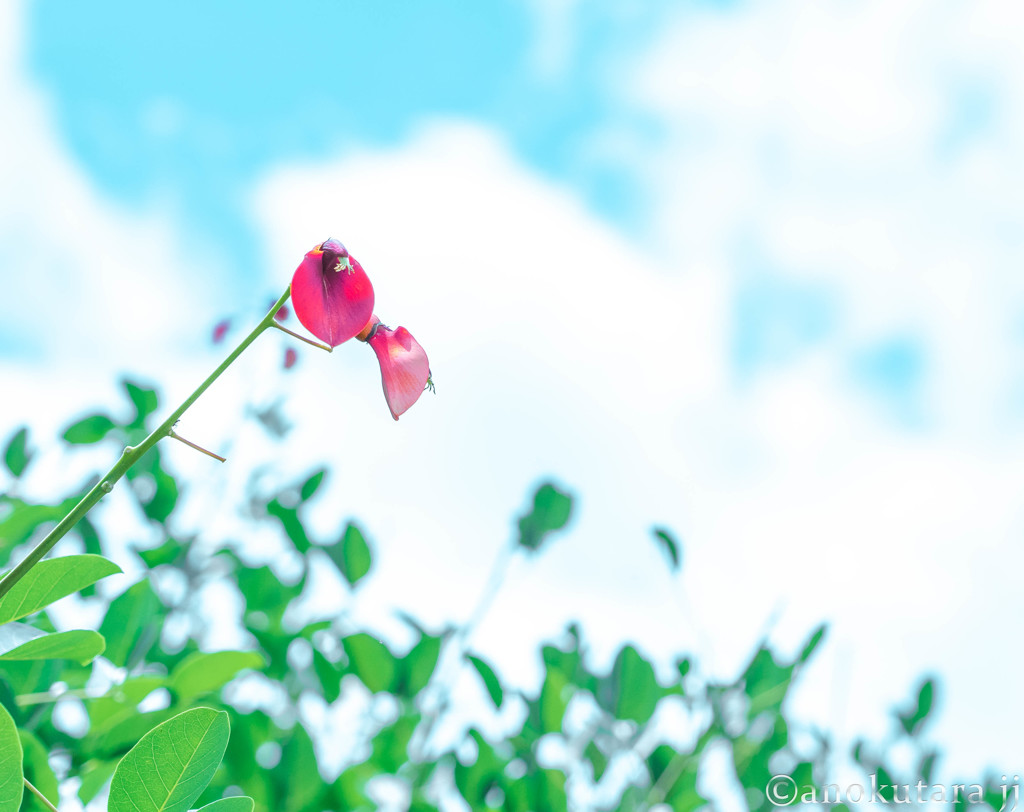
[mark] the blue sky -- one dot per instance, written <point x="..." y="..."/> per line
<point x="153" y="103"/>
<point x="749" y="270"/>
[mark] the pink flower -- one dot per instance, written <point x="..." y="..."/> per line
<point x="332" y="294"/>
<point x="404" y="369"/>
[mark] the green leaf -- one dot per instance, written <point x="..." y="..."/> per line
<point x="419" y="664"/>
<point x="298" y="762"/>
<point x="311" y="485"/>
<point x="17" y="455"/>
<point x="169" y="552"/>
<point x="329" y="676"/>
<point x="636" y="688"/>
<point x="11" y="775"/>
<point x="131" y="624"/>
<point x="491" y="681"/>
<point x="292" y="524"/>
<point x="237" y="803"/>
<point x="172" y="764"/>
<point x="554" y="699"/>
<point x="351" y="555"/>
<point x="913" y="720"/>
<point x="201" y="673"/>
<point x="79" y="645"/>
<point x="120" y="732"/>
<point x="89" y="429"/>
<point x="597" y="759"/>
<point x="669" y="545"/>
<point x="551" y="511"/>
<point x="50" y="580"/>
<point x="144" y="400"/>
<point x="371" y="661"/>
<point x="765" y="683"/>
<point x="95" y="775"/>
<point x="812" y="643"/>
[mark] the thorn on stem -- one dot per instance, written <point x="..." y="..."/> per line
<point x="199" y="448"/>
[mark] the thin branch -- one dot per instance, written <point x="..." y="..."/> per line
<point x="42" y="798"/>
<point x="309" y="341"/>
<point x="199" y="448"/>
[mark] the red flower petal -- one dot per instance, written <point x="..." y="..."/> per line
<point x="332" y="294"/>
<point x="404" y="369"/>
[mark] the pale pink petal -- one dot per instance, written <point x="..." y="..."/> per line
<point x="404" y="369"/>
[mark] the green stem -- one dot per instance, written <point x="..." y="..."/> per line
<point x="42" y="798"/>
<point x="130" y="456"/>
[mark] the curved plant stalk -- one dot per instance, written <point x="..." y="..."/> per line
<point x="132" y="454"/>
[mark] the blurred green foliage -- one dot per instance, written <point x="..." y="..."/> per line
<point x="167" y="726"/>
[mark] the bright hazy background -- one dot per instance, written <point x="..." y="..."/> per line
<point x="747" y="269"/>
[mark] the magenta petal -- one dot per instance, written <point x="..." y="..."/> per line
<point x="404" y="369"/>
<point x="332" y="304"/>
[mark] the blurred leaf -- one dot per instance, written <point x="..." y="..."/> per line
<point x="351" y="555"/>
<point x="202" y="673"/>
<point x="812" y="644"/>
<point x="551" y="511"/>
<point x="20" y="519"/>
<point x="678" y="774"/>
<point x="474" y="781"/>
<point x="391" y="744"/>
<point x="130" y="622"/>
<point x="237" y="803"/>
<point x="329" y="676"/>
<point x="95" y="775"/>
<point x="86" y="531"/>
<point x="927" y="766"/>
<point x="292" y="524"/>
<point x="418" y="665"/>
<point x="913" y="719"/>
<point x="264" y="591"/>
<point x="884" y="782"/>
<point x="371" y="661"/>
<point x="669" y="546"/>
<point x="597" y="759"/>
<point x="89" y="429"/>
<point x="636" y="688"/>
<point x="311" y="485"/>
<point x="172" y="764"/>
<point x="50" y="580"/>
<point x="38" y="771"/>
<point x="170" y="552"/>
<point x="765" y="683"/>
<point x="350" y="788"/>
<point x="17" y="455"/>
<point x="11" y="774"/>
<point x="491" y="682"/>
<point x="303" y="784"/>
<point x="121" y="699"/>
<point x="144" y="400"/>
<point x="155" y="489"/>
<point x="79" y="646"/>
<point x="554" y="699"/>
